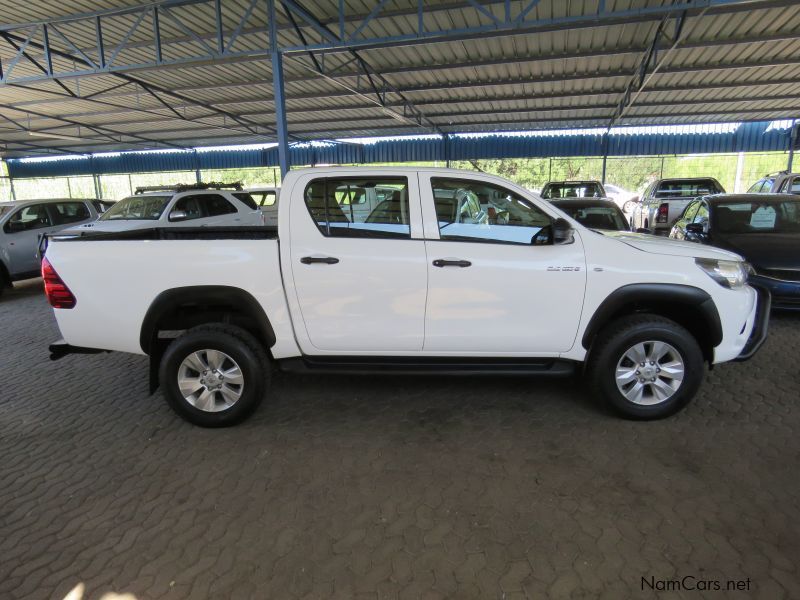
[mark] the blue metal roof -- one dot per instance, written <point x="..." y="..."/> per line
<point x="747" y="137"/>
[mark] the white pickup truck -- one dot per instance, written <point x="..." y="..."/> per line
<point x="451" y="272"/>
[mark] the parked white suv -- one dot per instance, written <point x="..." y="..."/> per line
<point x="425" y="282"/>
<point x="22" y="223"/>
<point x="194" y="205"/>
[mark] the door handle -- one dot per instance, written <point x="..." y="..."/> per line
<point x="444" y="262"/>
<point x="327" y="260"/>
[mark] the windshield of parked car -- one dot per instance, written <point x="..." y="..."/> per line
<point x="137" y="208"/>
<point x="606" y="218"/>
<point x="757" y="217"/>
<point x="573" y="190"/>
<point x="689" y="188"/>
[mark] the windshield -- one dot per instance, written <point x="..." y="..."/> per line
<point x="607" y="218"/>
<point x="573" y="190"/>
<point x="757" y="217"/>
<point x="5" y="209"/>
<point x="137" y="208"/>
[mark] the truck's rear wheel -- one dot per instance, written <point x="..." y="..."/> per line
<point x="214" y="375"/>
<point x="646" y="366"/>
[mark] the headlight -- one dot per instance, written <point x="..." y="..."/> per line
<point x="731" y="274"/>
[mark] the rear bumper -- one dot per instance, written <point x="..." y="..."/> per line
<point x="758" y="335"/>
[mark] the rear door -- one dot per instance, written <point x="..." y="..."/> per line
<point x="360" y="278"/>
<point x="497" y="288"/>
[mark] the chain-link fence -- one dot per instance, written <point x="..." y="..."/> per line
<point x="736" y="172"/>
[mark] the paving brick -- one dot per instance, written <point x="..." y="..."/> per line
<point x="388" y="487"/>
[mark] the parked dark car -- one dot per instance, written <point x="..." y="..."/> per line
<point x="763" y="228"/>
<point x="594" y="213"/>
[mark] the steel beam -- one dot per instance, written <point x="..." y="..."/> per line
<point x="278" y="91"/>
<point x="491" y="19"/>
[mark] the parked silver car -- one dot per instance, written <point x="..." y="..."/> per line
<point x="781" y="182"/>
<point x="22" y="223"/>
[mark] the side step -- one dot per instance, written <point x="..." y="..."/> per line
<point x="369" y="365"/>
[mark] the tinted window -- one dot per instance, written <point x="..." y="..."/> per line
<point x="794" y="188"/>
<point x="69" y="212"/>
<point x="191" y="205"/>
<point x="687" y="188"/>
<point x="30" y="217"/>
<point x="135" y="208"/>
<point x="246" y="199"/>
<point x="573" y="190"/>
<point x="607" y="218"/>
<point x="477" y="211"/>
<point x="217" y="205"/>
<point x="758" y="217"/>
<point x="339" y="207"/>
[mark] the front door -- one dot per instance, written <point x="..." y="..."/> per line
<point x="497" y="285"/>
<point x="360" y="276"/>
<point x="22" y="232"/>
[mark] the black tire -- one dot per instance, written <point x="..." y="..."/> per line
<point x="4" y="280"/>
<point x="248" y="353"/>
<point x="619" y="336"/>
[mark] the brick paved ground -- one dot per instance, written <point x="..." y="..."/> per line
<point x="389" y="487"/>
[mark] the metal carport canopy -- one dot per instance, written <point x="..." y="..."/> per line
<point x="83" y="76"/>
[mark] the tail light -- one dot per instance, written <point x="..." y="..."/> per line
<point x="57" y="292"/>
<point x="663" y="213"/>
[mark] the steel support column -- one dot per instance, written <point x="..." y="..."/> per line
<point x="605" y="156"/>
<point x="794" y="135"/>
<point x="278" y="91"/>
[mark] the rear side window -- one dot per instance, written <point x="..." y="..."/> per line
<point x="345" y="207"/>
<point x="217" y="205"/>
<point x="247" y="200"/>
<point x="265" y="198"/>
<point x="69" y="212"/>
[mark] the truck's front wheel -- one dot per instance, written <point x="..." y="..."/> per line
<point x="214" y="375"/>
<point x="646" y="366"/>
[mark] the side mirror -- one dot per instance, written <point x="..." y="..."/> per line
<point x="695" y="229"/>
<point x="178" y="215"/>
<point x="643" y="230"/>
<point x="563" y="232"/>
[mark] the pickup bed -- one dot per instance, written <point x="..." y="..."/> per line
<point x="423" y="282"/>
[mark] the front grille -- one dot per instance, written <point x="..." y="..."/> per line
<point x="782" y="274"/>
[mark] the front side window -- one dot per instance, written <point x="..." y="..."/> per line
<point x="476" y="211"/>
<point x="702" y="214"/>
<point x="69" y="212"/>
<point x="102" y="206"/>
<point x="691" y="211"/>
<point x="30" y="217"/>
<point x="137" y="208"/>
<point x="794" y="186"/>
<point x="340" y="207"/>
<point x="190" y="205"/>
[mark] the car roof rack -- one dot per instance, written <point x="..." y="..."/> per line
<point x="185" y="187"/>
